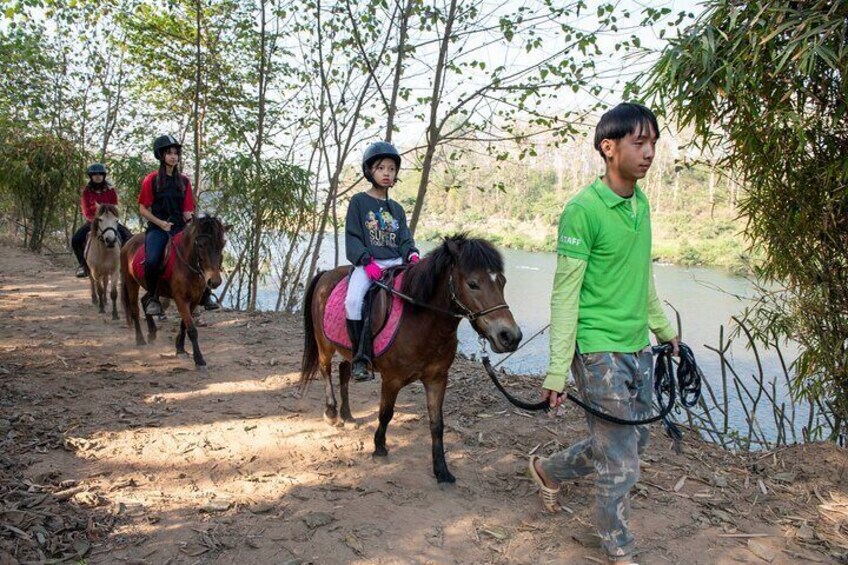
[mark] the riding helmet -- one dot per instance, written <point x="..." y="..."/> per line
<point x="96" y="169"/>
<point x="164" y="142"/>
<point x="376" y="151"/>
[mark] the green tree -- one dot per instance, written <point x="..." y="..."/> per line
<point x="41" y="177"/>
<point x="764" y="84"/>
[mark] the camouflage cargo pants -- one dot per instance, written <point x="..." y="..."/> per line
<point x="620" y="384"/>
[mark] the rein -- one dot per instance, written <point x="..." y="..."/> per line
<point x="466" y="313"/>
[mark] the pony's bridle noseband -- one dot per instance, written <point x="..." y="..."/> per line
<point x="101" y="233"/>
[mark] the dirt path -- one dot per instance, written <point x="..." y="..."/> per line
<point x="162" y="464"/>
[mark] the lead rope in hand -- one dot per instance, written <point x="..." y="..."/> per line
<point x="688" y="377"/>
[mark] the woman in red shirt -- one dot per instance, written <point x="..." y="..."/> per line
<point x="166" y="201"/>
<point x="97" y="191"/>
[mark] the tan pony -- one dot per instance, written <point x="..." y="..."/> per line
<point x="103" y="256"/>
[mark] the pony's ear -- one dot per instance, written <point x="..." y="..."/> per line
<point x="227" y="227"/>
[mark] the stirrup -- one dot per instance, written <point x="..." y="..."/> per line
<point x="82" y="272"/>
<point x="359" y="371"/>
<point x="152" y="306"/>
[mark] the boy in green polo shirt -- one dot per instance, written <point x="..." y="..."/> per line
<point x="604" y="301"/>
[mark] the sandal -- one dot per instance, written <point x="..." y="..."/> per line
<point x="550" y="496"/>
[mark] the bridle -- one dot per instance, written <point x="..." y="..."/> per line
<point x="465" y="313"/>
<point x="101" y="233"/>
<point x="198" y="269"/>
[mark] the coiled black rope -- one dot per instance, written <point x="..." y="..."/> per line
<point x="688" y="382"/>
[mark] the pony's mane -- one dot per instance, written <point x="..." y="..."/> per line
<point x="470" y="254"/>
<point x="208" y="226"/>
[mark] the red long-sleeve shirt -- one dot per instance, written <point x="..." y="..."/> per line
<point x="90" y="199"/>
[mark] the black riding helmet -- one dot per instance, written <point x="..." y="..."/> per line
<point x="376" y="151"/>
<point x="164" y="142"/>
<point x="96" y="169"/>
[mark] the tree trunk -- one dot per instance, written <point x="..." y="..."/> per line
<point x="433" y="128"/>
<point x="401" y="51"/>
<point x="197" y="87"/>
<point x="258" y="212"/>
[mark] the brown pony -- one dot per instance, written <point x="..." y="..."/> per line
<point x="462" y="278"/>
<point x="102" y="253"/>
<point x="197" y="265"/>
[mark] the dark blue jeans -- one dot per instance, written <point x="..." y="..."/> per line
<point x="155" y="241"/>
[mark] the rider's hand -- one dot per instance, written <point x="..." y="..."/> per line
<point x="166" y="226"/>
<point x="554" y="398"/>
<point x="373" y="271"/>
<point x="414" y="258"/>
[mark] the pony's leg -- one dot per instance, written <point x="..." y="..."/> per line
<point x="388" y="396"/>
<point x="101" y="295"/>
<point x="152" y="330"/>
<point x="180" y="343"/>
<point x="132" y="298"/>
<point x="344" y="381"/>
<point x="113" y="294"/>
<point x="185" y="313"/>
<point x="93" y="288"/>
<point x="331" y="411"/>
<point x="435" y="389"/>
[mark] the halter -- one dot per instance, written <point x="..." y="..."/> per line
<point x="466" y="313"/>
<point x="197" y="270"/>
<point x="101" y="233"/>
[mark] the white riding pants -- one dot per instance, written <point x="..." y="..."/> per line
<point x="358" y="285"/>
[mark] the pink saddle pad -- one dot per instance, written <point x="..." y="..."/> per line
<point x="137" y="263"/>
<point x="334" y="319"/>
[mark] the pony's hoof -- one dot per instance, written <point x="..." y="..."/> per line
<point x="115" y="317"/>
<point x="201" y="368"/>
<point x="445" y="477"/>
<point x="380" y="452"/>
<point x="140" y="343"/>
<point x="331" y="419"/>
<point x="350" y="423"/>
<point x="182" y="353"/>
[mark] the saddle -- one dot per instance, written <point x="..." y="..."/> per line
<point x="386" y="312"/>
<point x="167" y="260"/>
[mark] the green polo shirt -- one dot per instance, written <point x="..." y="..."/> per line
<point x="613" y="235"/>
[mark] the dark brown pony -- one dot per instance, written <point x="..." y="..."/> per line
<point x="197" y="265"/>
<point x="462" y="278"/>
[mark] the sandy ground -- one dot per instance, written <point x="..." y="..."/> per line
<point x="118" y="454"/>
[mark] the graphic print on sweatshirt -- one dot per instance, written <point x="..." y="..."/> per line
<point x="382" y="228"/>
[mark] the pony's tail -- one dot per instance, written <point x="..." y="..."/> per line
<point x="309" y="364"/>
<point x="125" y="294"/>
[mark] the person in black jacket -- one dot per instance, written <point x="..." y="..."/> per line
<point x="376" y="237"/>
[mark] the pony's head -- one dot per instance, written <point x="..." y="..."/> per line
<point x="206" y="235"/>
<point x="105" y="224"/>
<point x="472" y="270"/>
